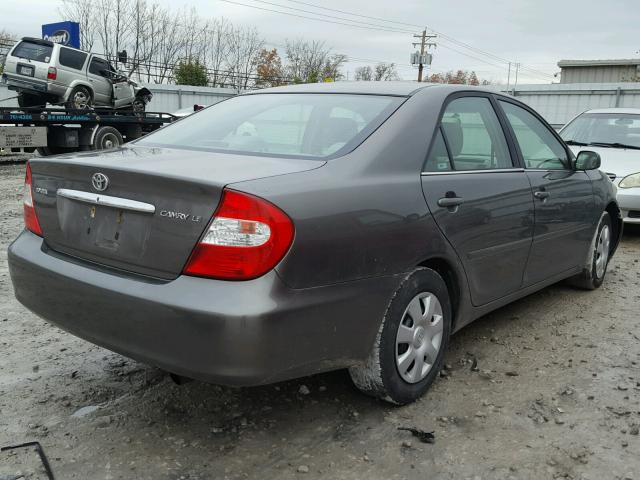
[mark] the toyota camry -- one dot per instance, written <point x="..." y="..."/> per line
<point x="308" y="228"/>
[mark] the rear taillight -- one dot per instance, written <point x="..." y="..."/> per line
<point x="247" y="237"/>
<point x="52" y="73"/>
<point x="30" y="217"/>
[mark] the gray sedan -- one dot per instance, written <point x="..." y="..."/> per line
<point x="308" y="228"/>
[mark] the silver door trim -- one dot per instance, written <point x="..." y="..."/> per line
<point x="457" y="172"/>
<point x="106" y="200"/>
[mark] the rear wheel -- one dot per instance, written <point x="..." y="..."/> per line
<point x="139" y="105"/>
<point x="408" y="352"/>
<point x="107" y="138"/>
<point x="79" y="99"/>
<point x="28" y="100"/>
<point x="599" y="254"/>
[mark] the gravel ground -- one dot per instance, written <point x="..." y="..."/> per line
<point x="555" y="395"/>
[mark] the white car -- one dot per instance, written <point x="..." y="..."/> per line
<point x="614" y="133"/>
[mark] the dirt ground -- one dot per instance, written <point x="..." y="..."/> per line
<point x="555" y="395"/>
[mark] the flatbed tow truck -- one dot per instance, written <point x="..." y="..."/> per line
<point x="51" y="131"/>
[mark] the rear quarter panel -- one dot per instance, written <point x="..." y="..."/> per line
<point x="364" y="214"/>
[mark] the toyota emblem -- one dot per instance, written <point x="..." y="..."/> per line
<point x="100" y="181"/>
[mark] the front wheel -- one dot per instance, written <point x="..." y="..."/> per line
<point x="599" y="255"/>
<point x="408" y="352"/>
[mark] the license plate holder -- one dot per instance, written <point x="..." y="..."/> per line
<point x="26" y="70"/>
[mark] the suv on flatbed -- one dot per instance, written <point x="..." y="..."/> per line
<point x="45" y="72"/>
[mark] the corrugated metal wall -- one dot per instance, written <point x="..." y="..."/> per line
<point x="559" y="103"/>
<point x="599" y="74"/>
<point x="166" y="98"/>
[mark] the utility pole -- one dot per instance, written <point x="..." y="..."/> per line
<point x="424" y="46"/>
<point x="516" y="82"/>
<point x="509" y="77"/>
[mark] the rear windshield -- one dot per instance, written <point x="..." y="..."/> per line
<point x="292" y="125"/>
<point x="33" y="51"/>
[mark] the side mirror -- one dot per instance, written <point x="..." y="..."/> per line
<point x="587" y="160"/>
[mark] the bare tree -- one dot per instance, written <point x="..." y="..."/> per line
<point x="364" y="73"/>
<point x="83" y="12"/>
<point x="245" y="44"/>
<point x="217" y="52"/>
<point x="386" y="72"/>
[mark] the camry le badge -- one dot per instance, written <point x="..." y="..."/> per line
<point x="100" y="181"/>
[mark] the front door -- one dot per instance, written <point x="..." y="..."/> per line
<point x="563" y="197"/>
<point x="480" y="199"/>
<point x="98" y="74"/>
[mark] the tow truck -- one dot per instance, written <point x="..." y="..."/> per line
<point x="52" y="131"/>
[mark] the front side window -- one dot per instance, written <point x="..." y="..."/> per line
<point x="72" y="58"/>
<point x="539" y="147"/>
<point x="604" y="129"/>
<point x="33" y="51"/>
<point x="474" y="135"/>
<point x="99" y="67"/>
<point x="296" y="125"/>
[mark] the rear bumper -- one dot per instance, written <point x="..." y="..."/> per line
<point x="234" y="333"/>
<point x="19" y="83"/>
<point x="629" y="203"/>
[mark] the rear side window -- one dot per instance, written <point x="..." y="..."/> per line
<point x="474" y="136"/>
<point x="72" y="58"/>
<point x="286" y="124"/>
<point x="33" y="51"/>
<point x="438" y="160"/>
<point x="540" y="148"/>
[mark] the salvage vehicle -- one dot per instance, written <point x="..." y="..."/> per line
<point x="45" y="72"/>
<point x="614" y="133"/>
<point x="300" y="229"/>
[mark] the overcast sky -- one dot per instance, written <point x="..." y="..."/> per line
<point x="536" y="33"/>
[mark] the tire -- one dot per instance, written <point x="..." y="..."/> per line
<point x="391" y="372"/>
<point x="28" y="100"/>
<point x="107" y="138"/>
<point x="139" y="105"/>
<point x="79" y="99"/>
<point x="598" y="258"/>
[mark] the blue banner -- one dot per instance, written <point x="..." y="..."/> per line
<point x="65" y="33"/>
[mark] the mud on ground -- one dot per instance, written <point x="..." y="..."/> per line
<point x="555" y="395"/>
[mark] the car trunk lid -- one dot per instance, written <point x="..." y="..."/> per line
<point x="153" y="208"/>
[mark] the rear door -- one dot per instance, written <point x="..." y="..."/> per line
<point x="70" y="65"/>
<point x="563" y="197"/>
<point x="98" y="76"/>
<point x="480" y="197"/>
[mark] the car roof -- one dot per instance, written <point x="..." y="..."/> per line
<point x="399" y="88"/>
<point x="629" y="111"/>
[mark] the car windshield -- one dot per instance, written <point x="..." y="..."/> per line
<point x="280" y="124"/>
<point x="604" y="129"/>
<point x="33" y="51"/>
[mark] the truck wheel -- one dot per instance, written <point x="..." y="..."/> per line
<point x="107" y="138"/>
<point x="408" y="352"/>
<point x="79" y="99"/>
<point x="27" y="100"/>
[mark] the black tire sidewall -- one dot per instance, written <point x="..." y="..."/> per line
<point x="597" y="281"/>
<point x="423" y="280"/>
<point x="105" y="131"/>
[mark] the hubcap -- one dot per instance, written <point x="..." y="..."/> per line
<point x="109" y="141"/>
<point x="80" y="100"/>
<point x="419" y="337"/>
<point x="602" y="250"/>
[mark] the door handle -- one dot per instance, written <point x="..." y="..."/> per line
<point x="450" y="202"/>
<point x="541" y="195"/>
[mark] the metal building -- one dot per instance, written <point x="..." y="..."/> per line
<point x="599" y="71"/>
